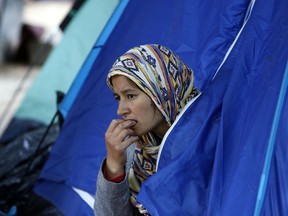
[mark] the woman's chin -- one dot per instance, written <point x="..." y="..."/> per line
<point x="138" y="133"/>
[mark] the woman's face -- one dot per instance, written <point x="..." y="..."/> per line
<point x="135" y="105"/>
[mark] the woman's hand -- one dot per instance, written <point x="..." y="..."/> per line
<point x="118" y="137"/>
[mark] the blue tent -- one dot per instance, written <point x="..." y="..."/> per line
<point x="232" y="156"/>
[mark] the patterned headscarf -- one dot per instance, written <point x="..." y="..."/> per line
<point x="170" y="84"/>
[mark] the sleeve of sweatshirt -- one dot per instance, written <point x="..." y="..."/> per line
<point x="113" y="198"/>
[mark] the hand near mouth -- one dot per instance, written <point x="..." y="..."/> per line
<point x="118" y="137"/>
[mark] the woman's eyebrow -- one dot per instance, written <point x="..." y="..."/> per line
<point x="126" y="90"/>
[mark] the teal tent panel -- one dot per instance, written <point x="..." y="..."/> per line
<point x="65" y="60"/>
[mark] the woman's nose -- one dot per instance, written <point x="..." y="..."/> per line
<point x="122" y="109"/>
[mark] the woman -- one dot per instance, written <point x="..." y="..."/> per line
<point x="151" y="85"/>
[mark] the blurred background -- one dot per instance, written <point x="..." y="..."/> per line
<point x="28" y="32"/>
<point x="43" y="44"/>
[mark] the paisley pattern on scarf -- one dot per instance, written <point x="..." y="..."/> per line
<point x="170" y="84"/>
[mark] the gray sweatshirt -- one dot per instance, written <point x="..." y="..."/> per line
<point x="112" y="199"/>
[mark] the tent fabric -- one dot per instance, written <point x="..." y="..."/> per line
<point x="275" y="202"/>
<point x="64" y="198"/>
<point x="79" y="80"/>
<point x="65" y="60"/>
<point x="219" y="162"/>
<point x="219" y="132"/>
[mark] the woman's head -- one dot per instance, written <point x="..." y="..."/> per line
<point x="158" y="73"/>
<point x="135" y="105"/>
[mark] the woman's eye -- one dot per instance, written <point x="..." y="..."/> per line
<point x="130" y="96"/>
<point x="117" y="98"/>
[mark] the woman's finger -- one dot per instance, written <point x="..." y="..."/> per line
<point x="123" y="126"/>
<point x="114" y="123"/>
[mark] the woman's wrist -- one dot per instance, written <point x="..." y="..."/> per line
<point x="117" y="179"/>
<point x="111" y="171"/>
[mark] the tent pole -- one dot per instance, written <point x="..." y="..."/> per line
<point x="271" y="143"/>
